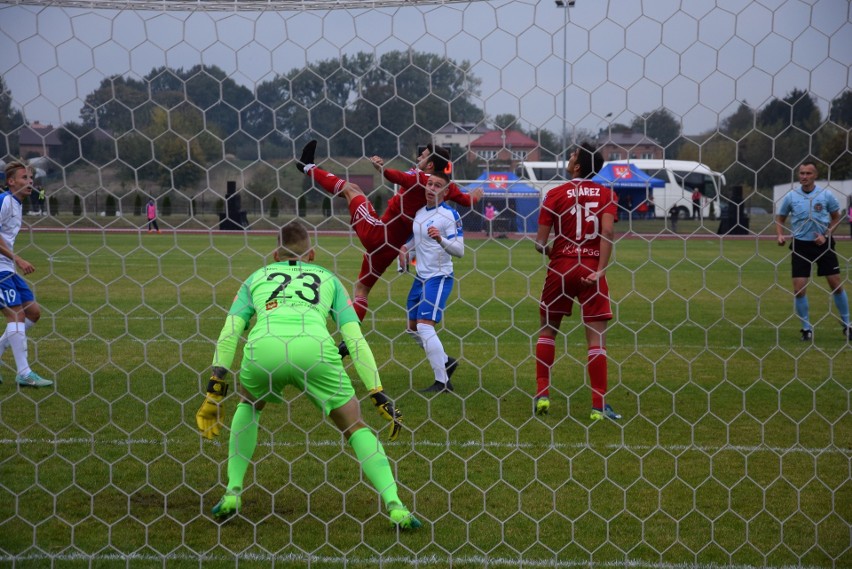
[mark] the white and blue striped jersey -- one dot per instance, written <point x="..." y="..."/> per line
<point x="809" y="212"/>
<point x="11" y="216"/>
<point x="432" y="259"/>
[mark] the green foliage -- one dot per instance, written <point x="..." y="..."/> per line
<point x="167" y="205"/>
<point x="77" y="207"/>
<point x="137" y="204"/>
<point x="53" y="205"/>
<point x="220" y="206"/>
<point x="302" y="205"/>
<point x="10" y="120"/>
<point x="273" y="207"/>
<point x="109" y="205"/>
<point x="662" y="126"/>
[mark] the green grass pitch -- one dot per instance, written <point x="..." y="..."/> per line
<point x="734" y="448"/>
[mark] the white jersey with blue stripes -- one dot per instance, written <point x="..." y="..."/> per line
<point x="432" y="259"/>
<point x="11" y="216"/>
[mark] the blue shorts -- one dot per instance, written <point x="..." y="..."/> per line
<point x="14" y="291"/>
<point x="427" y="299"/>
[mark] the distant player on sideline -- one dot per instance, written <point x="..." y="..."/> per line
<point x="16" y="299"/>
<point x="582" y="213"/>
<point x="815" y="216"/>
<point x="290" y="345"/>
<point x="383" y="237"/>
<point x="437" y="237"/>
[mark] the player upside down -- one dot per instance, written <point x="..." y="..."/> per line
<point x="383" y="237"/>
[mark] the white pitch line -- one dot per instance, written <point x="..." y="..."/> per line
<point x="374" y="561"/>
<point x="639" y="449"/>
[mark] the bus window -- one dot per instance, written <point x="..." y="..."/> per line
<point x="692" y="180"/>
<point x="547" y="174"/>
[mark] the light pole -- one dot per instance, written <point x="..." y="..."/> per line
<point x="566" y="5"/>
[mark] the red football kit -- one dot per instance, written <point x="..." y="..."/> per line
<point x="383" y="236"/>
<point x="575" y="210"/>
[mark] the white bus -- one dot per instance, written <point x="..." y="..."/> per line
<point x="542" y="175"/>
<point x="682" y="177"/>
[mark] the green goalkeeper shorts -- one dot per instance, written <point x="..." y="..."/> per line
<point x="308" y="363"/>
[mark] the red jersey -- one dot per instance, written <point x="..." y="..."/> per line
<point x="404" y="204"/>
<point x="575" y="211"/>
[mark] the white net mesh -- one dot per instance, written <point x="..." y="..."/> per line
<point x="734" y="446"/>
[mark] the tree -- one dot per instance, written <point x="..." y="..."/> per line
<point x="506" y="121"/>
<point x="357" y="102"/>
<point x="109" y="205"/>
<point x="663" y="127"/>
<point x="740" y="122"/>
<point x="10" y="121"/>
<point x="840" y="111"/>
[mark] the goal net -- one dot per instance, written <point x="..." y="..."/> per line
<point x="733" y="448"/>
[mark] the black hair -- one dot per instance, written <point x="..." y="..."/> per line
<point x="589" y="159"/>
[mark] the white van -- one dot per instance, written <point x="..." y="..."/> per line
<point x="681" y="178"/>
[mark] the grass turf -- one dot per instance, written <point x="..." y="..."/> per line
<point x="734" y="448"/>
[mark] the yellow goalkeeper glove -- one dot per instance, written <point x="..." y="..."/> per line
<point x="211" y="415"/>
<point x="388" y="411"/>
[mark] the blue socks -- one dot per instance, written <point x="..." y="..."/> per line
<point x="841" y="301"/>
<point x="803" y="311"/>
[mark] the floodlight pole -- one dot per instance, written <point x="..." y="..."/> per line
<point x="566" y="5"/>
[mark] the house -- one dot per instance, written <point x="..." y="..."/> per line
<point x="459" y="135"/>
<point x="38" y="139"/>
<point x="628" y="145"/>
<point x="503" y="149"/>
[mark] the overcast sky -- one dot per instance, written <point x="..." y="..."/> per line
<point x="697" y="58"/>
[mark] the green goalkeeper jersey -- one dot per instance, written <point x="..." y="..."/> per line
<point x="292" y="298"/>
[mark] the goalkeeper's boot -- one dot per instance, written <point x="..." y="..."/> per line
<point x="847" y="332"/>
<point x="807" y="335"/>
<point x="542" y="405"/>
<point x="229" y="504"/>
<point x="402" y="518"/>
<point x="33" y="379"/>
<point x="607" y="412"/>
<point x="451" y="366"/>
<point x="342" y="350"/>
<point x="307" y="156"/>
<point x="439" y="387"/>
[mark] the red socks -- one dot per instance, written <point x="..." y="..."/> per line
<point x="326" y="180"/>
<point x="597" y="375"/>
<point x="545" y="353"/>
<point x="360" y="306"/>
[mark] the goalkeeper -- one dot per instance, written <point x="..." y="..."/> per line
<point x="290" y="345"/>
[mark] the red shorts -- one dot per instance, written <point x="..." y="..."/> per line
<point x="381" y="241"/>
<point x="562" y="285"/>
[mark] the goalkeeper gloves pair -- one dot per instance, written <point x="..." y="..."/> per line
<point x="387" y="411"/>
<point x="211" y="415"/>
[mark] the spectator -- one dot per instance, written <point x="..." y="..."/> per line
<point x="490" y="214"/>
<point x="151" y="212"/>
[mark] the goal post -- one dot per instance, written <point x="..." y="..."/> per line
<point x="733" y="446"/>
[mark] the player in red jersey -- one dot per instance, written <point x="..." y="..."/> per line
<point x="384" y="236"/>
<point x="581" y="213"/>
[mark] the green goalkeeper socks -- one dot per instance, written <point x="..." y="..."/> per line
<point x="241" y="445"/>
<point x="374" y="463"/>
